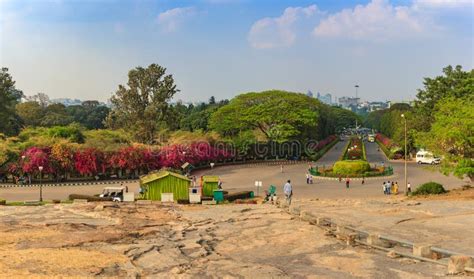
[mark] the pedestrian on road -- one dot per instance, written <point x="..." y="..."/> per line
<point x="340" y="178"/>
<point x="384" y="188"/>
<point x="307" y="178"/>
<point x="310" y="179"/>
<point x="219" y="184"/>
<point x="288" y="190"/>
<point x="388" y="185"/>
<point x="347" y="182"/>
<point x="408" y="187"/>
<point x="281" y="168"/>
<point x="363" y="180"/>
<point x="392" y="188"/>
<point x="395" y="188"/>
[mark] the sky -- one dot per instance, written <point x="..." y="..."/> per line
<point x="84" y="49"/>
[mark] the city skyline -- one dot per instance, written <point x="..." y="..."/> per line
<point x="222" y="48"/>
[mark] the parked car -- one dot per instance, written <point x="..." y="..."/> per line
<point x="426" y="157"/>
<point x="114" y="193"/>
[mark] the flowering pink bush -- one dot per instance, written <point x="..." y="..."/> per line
<point x="321" y="144"/>
<point x="384" y="140"/>
<point x="33" y="158"/>
<point x="89" y="161"/>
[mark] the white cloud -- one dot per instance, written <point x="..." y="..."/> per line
<point x="442" y="3"/>
<point x="271" y="32"/>
<point x="171" y="19"/>
<point x="378" y="20"/>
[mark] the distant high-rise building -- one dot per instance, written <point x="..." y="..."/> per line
<point x="309" y="94"/>
<point x="327" y="98"/>
<point x="348" y="102"/>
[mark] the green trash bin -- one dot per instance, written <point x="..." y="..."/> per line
<point x="218" y="195"/>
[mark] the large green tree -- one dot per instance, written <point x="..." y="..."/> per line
<point x="453" y="83"/>
<point x="9" y="97"/>
<point x="278" y="115"/>
<point x="30" y="112"/>
<point x="56" y="115"/>
<point x="452" y="134"/>
<point x="90" y="114"/>
<point x="143" y="106"/>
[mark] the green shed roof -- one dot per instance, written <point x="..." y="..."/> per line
<point x="160" y="174"/>
<point x="210" y="178"/>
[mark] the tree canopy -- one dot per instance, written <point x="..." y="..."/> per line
<point x="279" y="115"/>
<point x="143" y="105"/>
<point x="9" y="97"/>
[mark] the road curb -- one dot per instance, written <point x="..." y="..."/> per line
<point x="68" y="184"/>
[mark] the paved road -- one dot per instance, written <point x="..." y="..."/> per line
<point x="333" y="155"/>
<point x="374" y="155"/>
<point x="238" y="178"/>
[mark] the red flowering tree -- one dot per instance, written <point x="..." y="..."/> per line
<point x="134" y="159"/>
<point x="89" y="161"/>
<point x="35" y="157"/>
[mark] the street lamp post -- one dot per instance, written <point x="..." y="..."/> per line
<point x="41" y="186"/>
<point x="406" y="182"/>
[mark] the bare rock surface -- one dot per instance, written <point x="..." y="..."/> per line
<point x="171" y="241"/>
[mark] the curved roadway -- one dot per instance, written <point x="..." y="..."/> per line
<point x="238" y="178"/>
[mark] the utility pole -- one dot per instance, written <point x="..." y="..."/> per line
<point x="406" y="181"/>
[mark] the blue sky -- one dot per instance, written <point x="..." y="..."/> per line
<point x="84" y="49"/>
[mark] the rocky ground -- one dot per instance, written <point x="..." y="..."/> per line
<point x="172" y="241"/>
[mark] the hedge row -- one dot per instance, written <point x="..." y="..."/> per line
<point x="351" y="167"/>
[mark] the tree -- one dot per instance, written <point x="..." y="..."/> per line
<point x="89" y="161"/>
<point x="35" y="157"/>
<point x="452" y="134"/>
<point x="340" y="118"/>
<point x="56" y="115"/>
<point x="41" y="98"/>
<point x="143" y="106"/>
<point x="30" y="113"/>
<point x="62" y="158"/>
<point x="454" y="83"/>
<point x="278" y="115"/>
<point x="9" y="97"/>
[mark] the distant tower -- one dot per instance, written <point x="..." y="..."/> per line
<point x="309" y="94"/>
<point x="357" y="89"/>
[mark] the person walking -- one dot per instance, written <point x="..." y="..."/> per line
<point x="307" y="178"/>
<point x="384" y="188"/>
<point x="310" y="179"/>
<point x="281" y="168"/>
<point x="288" y="191"/>
<point x="219" y="184"/>
<point x="340" y="178"/>
<point x="408" y="187"/>
<point x="347" y="182"/>
<point x="388" y="185"/>
<point x="395" y="188"/>
<point x="363" y="180"/>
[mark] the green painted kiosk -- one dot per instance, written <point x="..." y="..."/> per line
<point x="209" y="184"/>
<point x="163" y="181"/>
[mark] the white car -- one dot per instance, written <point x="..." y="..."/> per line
<point x="114" y="193"/>
<point x="426" y="157"/>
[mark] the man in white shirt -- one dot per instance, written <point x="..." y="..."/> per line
<point x="288" y="190"/>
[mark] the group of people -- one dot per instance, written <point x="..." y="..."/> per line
<point x="390" y="188"/>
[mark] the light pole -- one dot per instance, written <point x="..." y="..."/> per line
<point x="406" y="183"/>
<point x="41" y="186"/>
